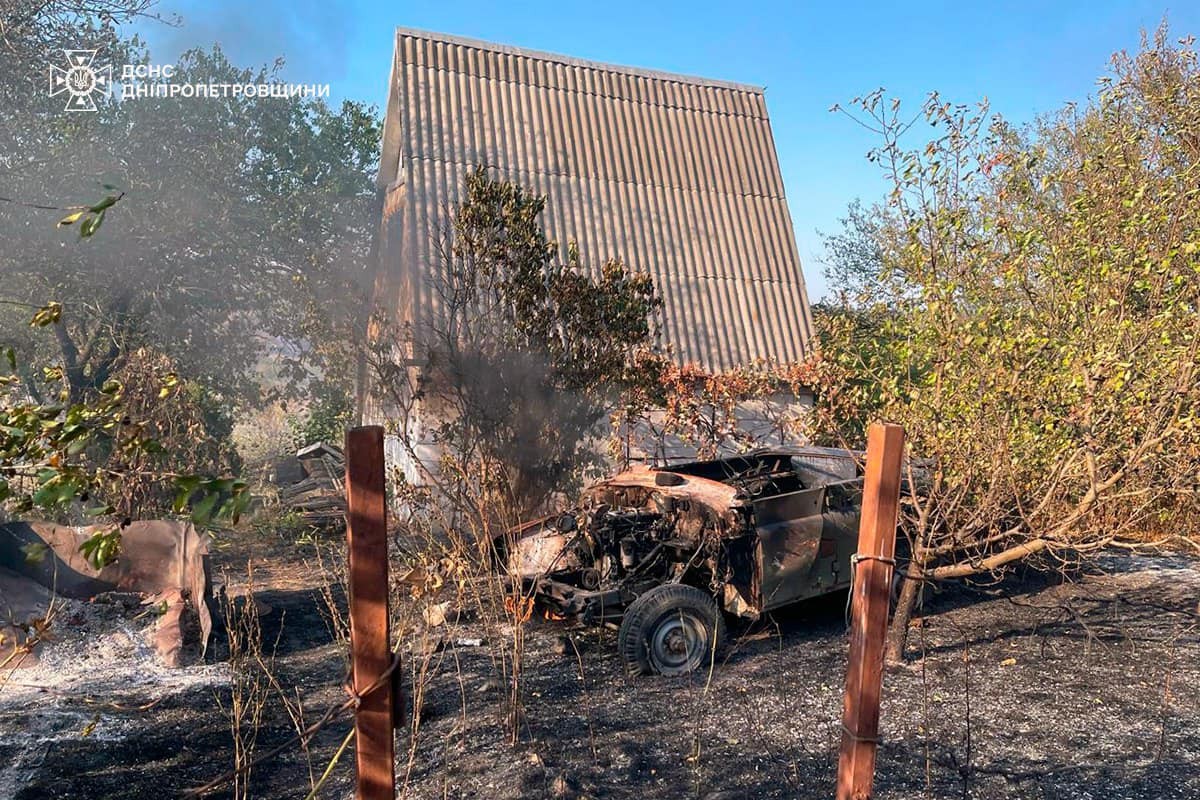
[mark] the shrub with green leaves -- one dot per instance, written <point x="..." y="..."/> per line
<point x="329" y="412"/>
<point x="79" y="459"/>
<point x="1028" y="310"/>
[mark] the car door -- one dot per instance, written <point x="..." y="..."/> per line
<point x="789" y="532"/>
<point x="839" y="535"/>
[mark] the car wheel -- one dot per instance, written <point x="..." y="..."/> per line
<point x="670" y="630"/>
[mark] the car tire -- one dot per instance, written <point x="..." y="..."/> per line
<point x="672" y="629"/>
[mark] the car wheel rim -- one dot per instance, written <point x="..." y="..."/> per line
<point x="677" y="644"/>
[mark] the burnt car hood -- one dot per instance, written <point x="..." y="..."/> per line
<point x="718" y="497"/>
<point x="537" y="547"/>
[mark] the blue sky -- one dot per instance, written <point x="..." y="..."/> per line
<point x="1025" y="57"/>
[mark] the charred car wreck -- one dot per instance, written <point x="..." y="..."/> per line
<point x="668" y="552"/>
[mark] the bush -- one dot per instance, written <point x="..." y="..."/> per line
<point x="1026" y="308"/>
<point x="329" y="412"/>
<point x="190" y="429"/>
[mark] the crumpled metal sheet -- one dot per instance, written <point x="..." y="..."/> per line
<point x="167" y="559"/>
<point x="534" y="556"/>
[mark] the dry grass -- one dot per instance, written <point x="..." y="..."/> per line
<point x="250" y="681"/>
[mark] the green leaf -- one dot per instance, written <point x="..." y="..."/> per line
<point x="236" y="504"/>
<point x="34" y="552"/>
<point x="102" y="548"/>
<point x="90" y="225"/>
<point x="46" y="315"/>
<point x="73" y="432"/>
<point x="188" y="483"/>
<point x="202" y="512"/>
<point x="107" y="202"/>
<point x="55" y="493"/>
<point x="185" y="487"/>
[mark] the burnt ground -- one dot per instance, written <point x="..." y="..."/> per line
<point x="1088" y="688"/>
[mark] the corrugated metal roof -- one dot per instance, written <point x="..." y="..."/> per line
<point x="674" y="175"/>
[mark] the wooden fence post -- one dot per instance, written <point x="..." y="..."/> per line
<point x="370" y="653"/>
<point x="869" y="613"/>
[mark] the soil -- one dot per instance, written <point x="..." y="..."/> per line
<point x="1037" y="688"/>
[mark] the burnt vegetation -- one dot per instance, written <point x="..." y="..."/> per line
<point x="570" y="624"/>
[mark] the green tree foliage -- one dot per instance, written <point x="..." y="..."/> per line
<point x="188" y="431"/>
<point x="102" y="457"/>
<point x="42" y="444"/>
<point x="37" y="31"/>
<point x="224" y="233"/>
<point x="245" y="221"/>
<point x="1032" y="320"/>
<point x="236" y="227"/>
<point x="524" y="355"/>
<point x="329" y="412"/>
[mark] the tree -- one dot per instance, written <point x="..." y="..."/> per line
<point x="524" y="359"/>
<point x="246" y="221"/>
<point x="32" y="31"/>
<point x="48" y="449"/>
<point x="238" y="217"/>
<point x="1033" y="323"/>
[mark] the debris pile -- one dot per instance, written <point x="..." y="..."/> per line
<point x="312" y="485"/>
<point x="163" y="564"/>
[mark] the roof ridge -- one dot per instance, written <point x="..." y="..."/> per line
<point x="544" y="55"/>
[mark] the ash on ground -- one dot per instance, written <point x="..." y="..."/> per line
<point x="87" y="683"/>
<point x="1085" y="686"/>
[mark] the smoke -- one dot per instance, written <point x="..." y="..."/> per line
<point x="236" y="223"/>
<point x="311" y="36"/>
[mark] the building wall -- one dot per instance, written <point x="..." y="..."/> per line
<point x="674" y="175"/>
<point x="758" y="422"/>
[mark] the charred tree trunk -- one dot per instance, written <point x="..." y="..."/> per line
<point x="906" y="604"/>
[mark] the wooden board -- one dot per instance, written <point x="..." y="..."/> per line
<point x="870" y="596"/>
<point x="366" y="535"/>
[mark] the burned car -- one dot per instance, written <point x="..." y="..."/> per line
<point x="667" y="553"/>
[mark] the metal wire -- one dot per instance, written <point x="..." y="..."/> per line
<point x="854" y="559"/>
